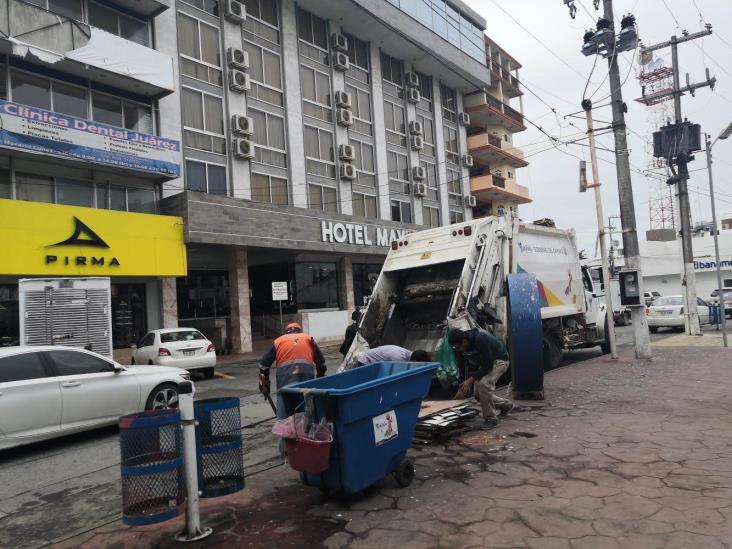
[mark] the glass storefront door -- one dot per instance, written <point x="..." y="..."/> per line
<point x="129" y="322"/>
<point x="9" y="315"/>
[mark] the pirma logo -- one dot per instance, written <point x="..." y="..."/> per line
<point x="82" y="236"/>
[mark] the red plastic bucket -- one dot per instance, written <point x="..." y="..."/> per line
<point x="308" y="456"/>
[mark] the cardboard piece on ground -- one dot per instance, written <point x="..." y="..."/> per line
<point x="430" y="407"/>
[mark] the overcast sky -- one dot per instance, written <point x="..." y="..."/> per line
<point x="552" y="176"/>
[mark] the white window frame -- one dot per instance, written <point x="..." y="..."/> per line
<point x="85" y="8"/>
<point x="322" y="197"/>
<point x="206" y="164"/>
<point x="436" y="209"/>
<point x="365" y="195"/>
<point x="315" y="82"/>
<point x="269" y="183"/>
<point x="401" y="213"/>
<point x="219" y="68"/>
<point x="321" y="160"/>
<point x="205" y="132"/>
<point x="264" y="75"/>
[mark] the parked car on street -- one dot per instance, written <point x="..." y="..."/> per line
<point x="726" y="298"/>
<point x="650" y="296"/>
<point x="50" y="391"/>
<point x="185" y="348"/>
<point x="668" y="312"/>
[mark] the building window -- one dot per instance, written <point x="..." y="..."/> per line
<point x="364" y="205"/>
<point x="74" y="193"/>
<point x="433" y="192"/>
<point x="312" y="29"/>
<point x="358" y="53"/>
<point x="429" y="134"/>
<point x="425" y="91"/>
<point x="209" y="6"/>
<point x="430" y="216"/>
<point x="267" y="188"/>
<point x="448" y="97"/>
<point x="319" y="153"/>
<point x="203" y="294"/>
<point x="269" y="134"/>
<point x="456" y="217"/>
<point x="9" y="315"/>
<point x="452" y="152"/>
<point x="453" y="182"/>
<point x="316" y="286"/>
<point x="262" y="20"/>
<point x="206" y="178"/>
<point x="5" y="188"/>
<point x="203" y="121"/>
<point x="391" y="70"/>
<point x="118" y="112"/>
<point x="364" y="163"/>
<point x="316" y="95"/>
<point x="398" y="167"/>
<point x="35" y="188"/>
<point x="361" y="101"/>
<point x="200" y="50"/>
<point x="395" y="123"/>
<point x="264" y="68"/>
<point x="115" y="22"/>
<point x="322" y="198"/>
<point x="401" y="211"/>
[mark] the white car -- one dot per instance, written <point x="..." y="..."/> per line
<point x="185" y="348"/>
<point x="726" y="299"/>
<point x="50" y="391"/>
<point x="668" y="312"/>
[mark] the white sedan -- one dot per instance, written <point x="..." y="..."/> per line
<point x="668" y="312"/>
<point x="185" y="348"/>
<point x="50" y="391"/>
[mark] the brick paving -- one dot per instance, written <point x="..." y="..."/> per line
<point x="623" y="454"/>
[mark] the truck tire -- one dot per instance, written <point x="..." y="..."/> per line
<point x="552" y="353"/>
<point x="605" y="345"/>
<point x="653" y="329"/>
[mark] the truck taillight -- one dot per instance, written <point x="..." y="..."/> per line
<point x="648" y="311"/>
<point x="162" y="351"/>
<point x="211" y="348"/>
<point x="468" y="230"/>
<point x="394" y="245"/>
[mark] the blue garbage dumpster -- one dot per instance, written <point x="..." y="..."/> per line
<point x="374" y="411"/>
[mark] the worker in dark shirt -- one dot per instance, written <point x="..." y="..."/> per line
<point x="482" y="360"/>
<point x="350" y="333"/>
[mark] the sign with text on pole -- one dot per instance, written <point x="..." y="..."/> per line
<point x="279" y="294"/>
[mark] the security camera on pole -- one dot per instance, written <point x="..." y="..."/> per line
<point x="603" y="41"/>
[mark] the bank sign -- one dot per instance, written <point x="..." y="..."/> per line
<point x="359" y="235"/>
<point x="50" y="240"/>
<point x="724" y="264"/>
<point x="45" y="132"/>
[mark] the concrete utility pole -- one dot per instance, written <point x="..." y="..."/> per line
<point x="625" y="192"/>
<point x="587" y="106"/>
<point x="688" y="282"/>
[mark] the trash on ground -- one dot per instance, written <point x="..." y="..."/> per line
<point x="442" y="424"/>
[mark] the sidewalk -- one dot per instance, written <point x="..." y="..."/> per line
<point x="623" y="454"/>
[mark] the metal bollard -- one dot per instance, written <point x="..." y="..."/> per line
<point x="193" y="530"/>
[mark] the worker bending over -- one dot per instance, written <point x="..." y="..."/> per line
<point x="392" y="353"/>
<point x="482" y="359"/>
<point x="296" y="357"/>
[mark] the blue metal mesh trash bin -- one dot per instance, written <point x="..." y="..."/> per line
<point x="219" y="447"/>
<point x="374" y="411"/>
<point x="153" y="483"/>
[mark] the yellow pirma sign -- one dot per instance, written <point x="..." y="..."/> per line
<point x="47" y="239"/>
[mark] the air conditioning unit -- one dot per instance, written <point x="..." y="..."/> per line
<point x="237" y="59"/>
<point x="416" y="128"/>
<point x="464" y="119"/>
<point x="242" y="125"/>
<point x="348" y="172"/>
<point x="343" y="99"/>
<point x="340" y="61"/>
<point x="344" y="117"/>
<point x="418" y="173"/>
<point x="346" y="153"/>
<point x="234" y="11"/>
<point x="416" y="142"/>
<point x="413" y="95"/>
<point x="338" y="42"/>
<point x="243" y="148"/>
<point x="411" y="79"/>
<point x="239" y="81"/>
<point x="467" y="161"/>
<point x="420" y="189"/>
<point x="472" y="202"/>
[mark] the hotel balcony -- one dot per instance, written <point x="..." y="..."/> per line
<point x="487" y="188"/>
<point x="62" y="44"/>
<point x="510" y="83"/>
<point x="486" y="110"/>
<point x="491" y="150"/>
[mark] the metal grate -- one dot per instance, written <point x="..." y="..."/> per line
<point x="219" y="447"/>
<point x="153" y="481"/>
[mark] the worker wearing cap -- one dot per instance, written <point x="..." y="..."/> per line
<point x="482" y="359"/>
<point x="296" y="357"/>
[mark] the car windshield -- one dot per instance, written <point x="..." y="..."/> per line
<point x="727" y="294"/>
<point x="668" y="301"/>
<point x="188" y="335"/>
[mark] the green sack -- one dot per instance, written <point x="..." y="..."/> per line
<point x="447" y="374"/>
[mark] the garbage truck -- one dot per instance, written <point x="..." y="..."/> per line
<point x="456" y="277"/>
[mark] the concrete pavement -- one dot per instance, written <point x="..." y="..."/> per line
<point x="623" y="454"/>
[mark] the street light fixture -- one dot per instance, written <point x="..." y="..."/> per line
<point x="724" y="135"/>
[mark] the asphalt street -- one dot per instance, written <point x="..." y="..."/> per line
<point x="54" y="490"/>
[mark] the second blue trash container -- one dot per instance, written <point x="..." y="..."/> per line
<point x="374" y="410"/>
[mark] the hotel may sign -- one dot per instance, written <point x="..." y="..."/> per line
<point x="47" y="239"/>
<point x="50" y="133"/>
<point x="360" y="235"/>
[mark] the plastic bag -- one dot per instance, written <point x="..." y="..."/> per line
<point x="302" y="424"/>
<point x="447" y="374"/>
<point x="284" y="428"/>
<point x="322" y="431"/>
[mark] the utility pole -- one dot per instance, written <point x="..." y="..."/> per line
<point x="587" y="106"/>
<point x="625" y="191"/>
<point x="688" y="280"/>
<point x="611" y="228"/>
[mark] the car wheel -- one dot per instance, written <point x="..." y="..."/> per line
<point x="163" y="397"/>
<point x="552" y="353"/>
<point x="132" y="361"/>
<point x="653" y="329"/>
<point x="150" y="363"/>
<point x="208" y="373"/>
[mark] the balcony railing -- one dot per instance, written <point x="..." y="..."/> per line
<point x="484" y="139"/>
<point x="494" y="187"/>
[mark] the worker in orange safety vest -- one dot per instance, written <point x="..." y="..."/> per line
<point x="296" y="357"/>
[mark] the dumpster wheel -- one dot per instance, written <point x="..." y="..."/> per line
<point x="404" y="473"/>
